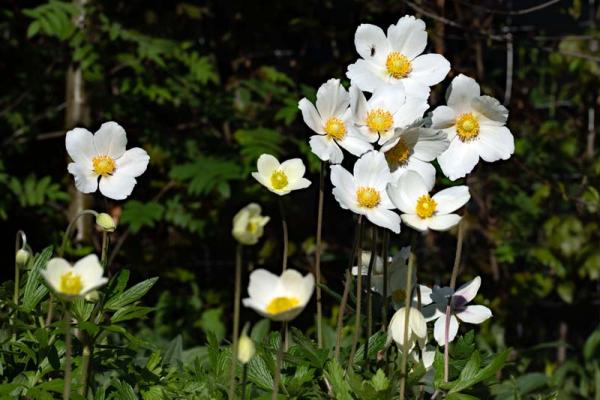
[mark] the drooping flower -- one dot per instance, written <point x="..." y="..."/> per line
<point x="281" y="178"/>
<point x="332" y="121"/>
<point x="476" y="128"/>
<point x="414" y="149"/>
<point x="396" y="58"/>
<point x="417" y="328"/>
<point x="103" y="155"/>
<point x="280" y="298"/>
<point x="387" y="108"/>
<point x="422" y="211"/>
<point x="248" y="224"/>
<point x="364" y="192"/>
<point x="70" y="281"/>
<point x="436" y="300"/>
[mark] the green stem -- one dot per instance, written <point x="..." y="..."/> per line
<point x="69" y="229"/>
<point x="386" y="304"/>
<point x="236" y="319"/>
<point x="20" y="243"/>
<point x="407" y="305"/>
<point x="104" y="254"/>
<point x="279" y="361"/>
<point x="370" y="296"/>
<point x="318" y="254"/>
<point x="348" y="281"/>
<point x="457" y="255"/>
<point x="244" y="379"/>
<point x="285" y="234"/>
<point x="357" y="322"/>
<point x="86" y="364"/>
<point x="68" y="349"/>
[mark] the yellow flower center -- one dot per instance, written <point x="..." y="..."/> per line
<point x="282" y="304"/>
<point x="379" y="120"/>
<point x="279" y="180"/>
<point x="467" y="127"/>
<point x="103" y="165"/>
<point x="397" y="64"/>
<point x="367" y="197"/>
<point x="398" y="155"/>
<point x="70" y="283"/>
<point x="426" y="206"/>
<point x="252" y="226"/>
<point x="335" y="128"/>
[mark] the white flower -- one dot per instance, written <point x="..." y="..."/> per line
<point x="74" y="281"/>
<point x="417" y="328"/>
<point x="414" y="149"/>
<point x="422" y="211"/>
<point x="280" y="298"/>
<point x="396" y="58"/>
<point x="332" y="121"/>
<point x="103" y="155"/>
<point x="365" y="192"/>
<point x="248" y="224"/>
<point x="281" y="178"/>
<point x="388" y="108"/>
<point x="475" y="127"/>
<point x="435" y="302"/>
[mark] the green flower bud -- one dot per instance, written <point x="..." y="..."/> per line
<point x="22" y="257"/>
<point x="246" y="348"/>
<point x="106" y="222"/>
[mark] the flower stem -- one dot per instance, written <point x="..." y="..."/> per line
<point x="370" y="296"/>
<point x="357" y="324"/>
<point x="386" y="304"/>
<point x="285" y="233"/>
<point x="279" y="361"/>
<point x="86" y="364"/>
<point x="407" y="305"/>
<point x="236" y="319"/>
<point x="318" y="254"/>
<point x="348" y="281"/>
<point x="104" y="254"/>
<point x="20" y="243"/>
<point x="68" y="349"/>
<point x="244" y="379"/>
<point x="459" y="243"/>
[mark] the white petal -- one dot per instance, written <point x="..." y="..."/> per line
<point x="80" y="145"/>
<point x="91" y="271"/>
<point x="110" y="140"/>
<point x="490" y="108"/>
<point x="355" y="143"/>
<point x="451" y="199"/>
<point x="294" y="169"/>
<point x="55" y="268"/>
<point x="345" y="188"/>
<point x="326" y="149"/>
<point x="460" y="93"/>
<point x="370" y="42"/>
<point x="474" y="314"/>
<point x="310" y="116"/>
<point x="133" y="162"/>
<point x="365" y="132"/>
<point x="332" y="99"/>
<point x="425" y="295"/>
<point x="266" y="165"/>
<point x="430" y="144"/>
<point x="384" y="218"/>
<point x="301" y="183"/>
<point x="415" y="222"/>
<point x="443" y="222"/>
<point x="495" y="143"/>
<point x="408" y="36"/>
<point x="261" y="286"/>
<point x="439" y="329"/>
<point x="410" y="112"/>
<point x="414" y="87"/>
<point x="425" y="169"/>
<point x="117" y="186"/>
<point x="409" y="187"/>
<point x="366" y="75"/>
<point x="372" y="170"/>
<point x="430" y="69"/>
<point x="469" y="290"/>
<point x="390" y="98"/>
<point x="358" y="105"/>
<point x="460" y="158"/>
<point x="86" y="181"/>
<point x="443" y="117"/>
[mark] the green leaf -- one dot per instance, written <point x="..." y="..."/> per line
<point x="376" y="343"/>
<point x="173" y="353"/>
<point x="309" y="349"/>
<point x="35" y="290"/>
<point x="138" y="215"/>
<point x="130" y="295"/>
<point x="206" y="174"/>
<point x="259" y="374"/>
<point x="483" y="374"/>
<point x="592" y="347"/>
<point x="472" y="367"/>
<point x="130" y="312"/>
<point x="334" y="373"/>
<point x="379" y="381"/>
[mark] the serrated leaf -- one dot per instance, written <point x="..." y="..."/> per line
<point x="334" y="373"/>
<point x="379" y="381"/>
<point x="35" y="290"/>
<point x="259" y="374"/>
<point x="138" y="215"/>
<point x="130" y="295"/>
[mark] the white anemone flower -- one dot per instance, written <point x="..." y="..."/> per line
<point x="364" y="193"/>
<point x="422" y="211"/>
<point x="417" y="328"/>
<point x="414" y="149"/>
<point x="332" y="121"/>
<point x="103" y="155"/>
<point x="387" y="108"/>
<point x="436" y="300"/>
<point x="476" y="128"/>
<point x="248" y="224"/>
<point x="281" y="178"/>
<point x="396" y="58"/>
<point x="280" y="298"/>
<point x="70" y="281"/>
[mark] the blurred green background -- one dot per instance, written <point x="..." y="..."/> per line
<point x="206" y="87"/>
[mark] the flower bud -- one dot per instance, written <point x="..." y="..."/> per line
<point x="92" y="296"/>
<point x="106" y="222"/>
<point x="22" y="257"/>
<point x="246" y="348"/>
